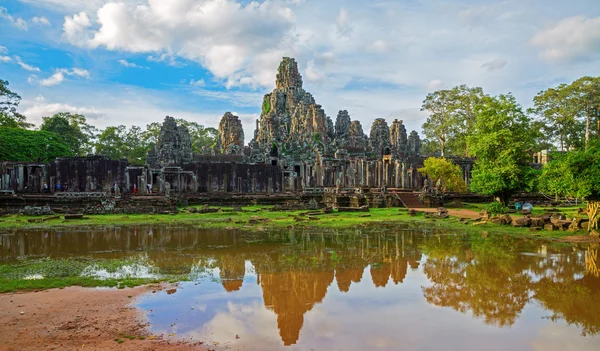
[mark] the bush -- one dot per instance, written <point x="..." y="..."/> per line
<point x="495" y="208"/>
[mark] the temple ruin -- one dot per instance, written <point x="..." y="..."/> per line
<point x="296" y="153"/>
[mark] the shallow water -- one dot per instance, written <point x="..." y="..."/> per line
<point x="379" y="288"/>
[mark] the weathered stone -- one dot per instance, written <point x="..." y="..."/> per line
<point x="399" y="139"/>
<point x="380" y="137"/>
<point x="342" y="127"/>
<point x="290" y="115"/>
<point x="521" y="222"/>
<point x="37" y="211"/>
<point x="356" y="136"/>
<point x="230" y="139"/>
<point x="174" y="146"/>
<point x="414" y="144"/>
<point x="537" y="222"/>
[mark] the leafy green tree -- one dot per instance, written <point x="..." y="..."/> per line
<point x="443" y="170"/>
<point x="9" y="101"/>
<point x="586" y="95"/>
<point x="23" y="145"/>
<point x="558" y="111"/>
<point x="119" y="142"/>
<point x="502" y="142"/>
<point x="452" y="116"/>
<point x="73" y="129"/>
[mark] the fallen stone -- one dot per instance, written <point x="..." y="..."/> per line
<point x="521" y="222"/>
<point x="550" y="226"/>
<point x="480" y="223"/>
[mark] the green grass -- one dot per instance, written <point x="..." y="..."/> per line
<point x="227" y="219"/>
<point x="61" y="273"/>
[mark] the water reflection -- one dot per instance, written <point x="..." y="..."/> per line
<point x="361" y="289"/>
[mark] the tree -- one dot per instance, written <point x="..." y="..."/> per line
<point x="452" y="117"/>
<point x="23" y="145"/>
<point x="119" y="142"/>
<point x="9" y="101"/>
<point x="586" y="94"/>
<point x="199" y="135"/>
<point x="558" y="110"/>
<point x="73" y="129"/>
<point x="502" y="142"/>
<point x="443" y="170"/>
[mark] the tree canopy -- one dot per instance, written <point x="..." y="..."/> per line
<point x="23" y="145"/>
<point x="443" y="170"/>
<point x="73" y="129"/>
<point x="9" y="101"/>
<point x="502" y="141"/>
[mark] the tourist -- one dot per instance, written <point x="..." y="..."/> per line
<point x="134" y="188"/>
<point x="58" y="187"/>
<point x="149" y="189"/>
<point x="46" y="188"/>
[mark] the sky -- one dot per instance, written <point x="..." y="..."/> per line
<point x="133" y="62"/>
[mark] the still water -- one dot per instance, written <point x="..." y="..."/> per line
<point x="378" y="288"/>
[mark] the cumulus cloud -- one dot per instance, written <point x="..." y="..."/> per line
<point x="59" y="76"/>
<point x="41" y="21"/>
<point x="434" y="84"/>
<point x="75" y="29"/>
<point x="41" y="109"/>
<point x="18" y="22"/>
<point x="343" y="23"/>
<point x="5" y="58"/>
<point x="197" y="83"/>
<point x="130" y="64"/>
<point x="494" y="64"/>
<point x="25" y="66"/>
<point x="572" y="38"/>
<point x="225" y="36"/>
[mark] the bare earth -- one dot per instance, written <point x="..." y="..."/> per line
<point x="78" y="319"/>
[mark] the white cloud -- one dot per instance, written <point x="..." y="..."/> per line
<point x="75" y="29"/>
<point x="40" y="98"/>
<point x="41" y="21"/>
<point x="3" y="49"/>
<point x="40" y="109"/>
<point x="379" y="46"/>
<point x="572" y="38"/>
<point x="5" y="58"/>
<point x="18" y="22"/>
<point x="54" y="79"/>
<point x="494" y="64"/>
<point x="228" y="38"/>
<point x="25" y="65"/>
<point x="434" y="84"/>
<point x="198" y="83"/>
<point x="59" y="76"/>
<point x="343" y="23"/>
<point x="312" y="73"/>
<point x="130" y="64"/>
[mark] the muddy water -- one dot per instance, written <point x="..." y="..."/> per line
<point x="366" y="289"/>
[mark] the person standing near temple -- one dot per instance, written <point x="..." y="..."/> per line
<point x="134" y="188"/>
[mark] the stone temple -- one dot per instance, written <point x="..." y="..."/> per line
<point x="297" y="153"/>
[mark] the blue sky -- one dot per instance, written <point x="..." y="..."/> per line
<point x="135" y="61"/>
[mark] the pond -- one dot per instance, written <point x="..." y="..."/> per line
<point x="379" y="287"/>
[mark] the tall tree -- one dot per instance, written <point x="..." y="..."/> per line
<point x="119" y="142"/>
<point x="23" y="145"/>
<point x="9" y="101"/>
<point x="73" y="129"/>
<point x="452" y="117"/>
<point x="586" y="94"/>
<point x="557" y="108"/>
<point x="502" y="142"/>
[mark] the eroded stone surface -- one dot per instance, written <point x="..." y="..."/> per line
<point x="356" y="136"/>
<point x="230" y="139"/>
<point x="174" y="146"/>
<point x="399" y="139"/>
<point x="380" y="137"/>
<point x="290" y="116"/>
<point x="414" y="144"/>
<point x="342" y="127"/>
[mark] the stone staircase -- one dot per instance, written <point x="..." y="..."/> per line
<point x="410" y="200"/>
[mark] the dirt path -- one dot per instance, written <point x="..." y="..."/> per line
<point x="460" y="213"/>
<point x="77" y="319"/>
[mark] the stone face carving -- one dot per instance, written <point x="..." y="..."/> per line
<point x="380" y="137"/>
<point x="174" y="146"/>
<point x="399" y="139"/>
<point x="356" y="136"/>
<point x="414" y="144"/>
<point x="230" y="139"/>
<point x="290" y="115"/>
<point x="342" y="126"/>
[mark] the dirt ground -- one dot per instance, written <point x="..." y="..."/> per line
<point x="78" y="319"/>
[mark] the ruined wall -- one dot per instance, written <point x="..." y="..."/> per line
<point x="236" y="177"/>
<point x="95" y="173"/>
<point x="230" y="139"/>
